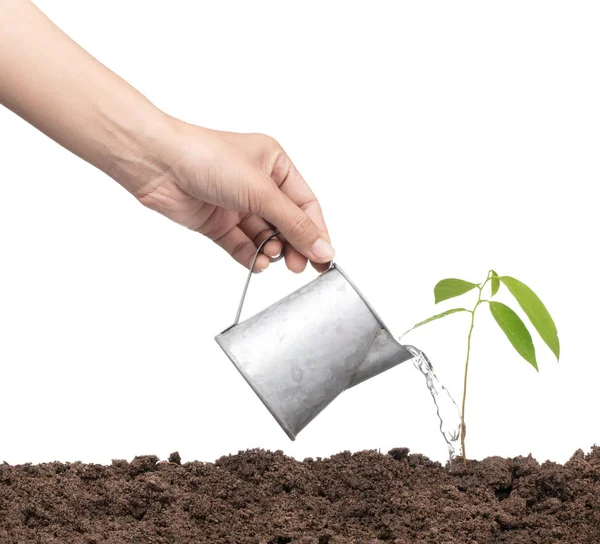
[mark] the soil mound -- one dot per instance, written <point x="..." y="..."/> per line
<point x="264" y="497"/>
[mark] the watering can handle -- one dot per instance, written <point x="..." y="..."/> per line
<point x="272" y="259"/>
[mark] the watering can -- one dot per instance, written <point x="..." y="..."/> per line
<point x="301" y="352"/>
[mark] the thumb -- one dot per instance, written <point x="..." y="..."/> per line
<point x="297" y="227"/>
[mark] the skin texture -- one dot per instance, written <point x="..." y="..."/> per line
<point x="233" y="188"/>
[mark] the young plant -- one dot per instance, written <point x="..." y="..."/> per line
<point x="511" y="324"/>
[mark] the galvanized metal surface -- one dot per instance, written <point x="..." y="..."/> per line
<point x="300" y="353"/>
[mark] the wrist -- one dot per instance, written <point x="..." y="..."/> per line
<point x="141" y="154"/>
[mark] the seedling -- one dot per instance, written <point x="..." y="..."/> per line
<point x="511" y="324"/>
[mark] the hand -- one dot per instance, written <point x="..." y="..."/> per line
<point x="234" y="188"/>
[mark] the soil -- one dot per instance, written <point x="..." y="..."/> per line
<point x="264" y="497"/>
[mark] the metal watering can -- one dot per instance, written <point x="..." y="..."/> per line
<point x="300" y="353"/>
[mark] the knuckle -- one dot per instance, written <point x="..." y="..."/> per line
<point x="273" y="155"/>
<point x="240" y="248"/>
<point x="270" y="142"/>
<point x="301" y="225"/>
<point x="265" y="142"/>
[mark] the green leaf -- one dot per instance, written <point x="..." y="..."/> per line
<point x="515" y="331"/>
<point x="536" y="312"/>
<point x="438" y="316"/>
<point x="450" y="288"/>
<point x="495" y="282"/>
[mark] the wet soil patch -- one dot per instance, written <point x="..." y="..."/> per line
<point x="265" y="497"/>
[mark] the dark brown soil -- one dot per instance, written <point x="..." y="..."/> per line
<point x="263" y="497"/>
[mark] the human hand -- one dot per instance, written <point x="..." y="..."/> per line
<point x="234" y="188"/>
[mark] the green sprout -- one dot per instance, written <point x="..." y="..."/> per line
<point x="511" y="324"/>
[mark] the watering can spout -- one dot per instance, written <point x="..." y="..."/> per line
<point x="383" y="353"/>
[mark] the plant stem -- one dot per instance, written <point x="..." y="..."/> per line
<point x="463" y="427"/>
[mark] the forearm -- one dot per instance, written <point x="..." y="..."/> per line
<point x="52" y="83"/>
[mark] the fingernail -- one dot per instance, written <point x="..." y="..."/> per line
<point x="322" y="250"/>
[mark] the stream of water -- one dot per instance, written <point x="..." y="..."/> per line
<point x="447" y="410"/>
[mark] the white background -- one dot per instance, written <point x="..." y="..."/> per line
<point x="442" y="139"/>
